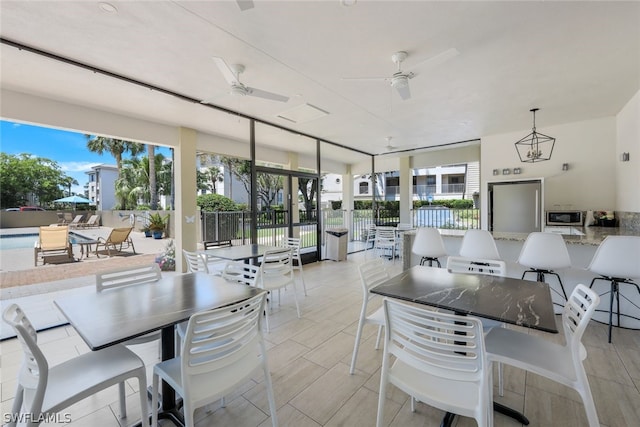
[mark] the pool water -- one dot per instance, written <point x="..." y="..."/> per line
<point x="26" y="241"/>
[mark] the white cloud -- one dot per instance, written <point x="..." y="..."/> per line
<point x="77" y="166"/>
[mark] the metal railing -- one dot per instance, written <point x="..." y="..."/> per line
<point x="273" y="225"/>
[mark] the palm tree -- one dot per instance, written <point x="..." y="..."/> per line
<point x="116" y="147"/>
<point x="68" y="181"/>
<point x="153" y="187"/>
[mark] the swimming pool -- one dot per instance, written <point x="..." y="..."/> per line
<point x="26" y="241"/>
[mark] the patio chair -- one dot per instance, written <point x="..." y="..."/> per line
<point x="117" y="240"/>
<point x="93" y="221"/>
<point x="76" y="220"/>
<point x="53" y="245"/>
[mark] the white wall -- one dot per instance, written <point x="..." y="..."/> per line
<point x="628" y="141"/>
<point x="589" y="147"/>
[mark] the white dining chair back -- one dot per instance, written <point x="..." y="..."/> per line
<point x="222" y="350"/>
<point x="215" y="265"/>
<point x="429" y="246"/>
<point x="129" y="276"/>
<point x="542" y="254"/>
<point x="617" y="261"/>
<point x="43" y="389"/>
<point x="293" y="243"/>
<point x="370" y="231"/>
<point x="478" y="244"/>
<point x="400" y="230"/>
<point x="276" y="273"/>
<point x="196" y="262"/>
<point x="372" y="273"/>
<point x="440" y="360"/>
<point x="385" y="242"/>
<point x="240" y="272"/>
<point x="562" y="363"/>
<point x="476" y="266"/>
<point x="117" y="278"/>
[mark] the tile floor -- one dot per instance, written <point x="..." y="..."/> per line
<point x="309" y="361"/>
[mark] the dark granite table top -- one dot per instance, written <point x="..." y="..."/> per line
<point x="509" y="300"/>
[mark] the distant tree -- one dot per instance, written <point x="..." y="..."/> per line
<point x="68" y="182"/>
<point x="308" y="189"/>
<point x="116" y="147"/>
<point x="153" y="186"/>
<point x="24" y="175"/>
<point x="134" y="183"/>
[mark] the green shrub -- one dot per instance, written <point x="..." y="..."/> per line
<point x="336" y="204"/>
<point x="216" y="203"/>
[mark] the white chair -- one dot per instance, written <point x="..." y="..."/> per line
<point x="370" y="237"/>
<point x="215" y="265"/>
<point x="440" y="360"/>
<point x="478" y="244"/>
<point x="118" y="278"/>
<point x="240" y="272"/>
<point x="617" y="260"/>
<point x="45" y="390"/>
<point x="276" y="272"/>
<point x="196" y="262"/>
<point x="294" y="244"/>
<point x="543" y="253"/>
<point x="385" y="241"/>
<point x="481" y="266"/>
<point x="372" y="273"/>
<point x="560" y="363"/>
<point x="222" y="350"/>
<point x="429" y="246"/>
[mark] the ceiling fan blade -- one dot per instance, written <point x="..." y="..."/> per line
<point x="438" y="59"/>
<point x="228" y="75"/>
<point x="365" y="78"/>
<point x="266" y="95"/>
<point x="245" y="4"/>
<point x="404" y="92"/>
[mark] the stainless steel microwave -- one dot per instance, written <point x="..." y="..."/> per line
<point x="565" y="218"/>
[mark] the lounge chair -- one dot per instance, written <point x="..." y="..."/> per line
<point x="76" y="220"/>
<point x="53" y="245"/>
<point x="93" y="221"/>
<point x="117" y="240"/>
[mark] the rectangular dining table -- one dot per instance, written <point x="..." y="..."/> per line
<point x="505" y="299"/>
<point x="103" y="319"/>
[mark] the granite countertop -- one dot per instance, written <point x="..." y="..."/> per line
<point x="592" y="235"/>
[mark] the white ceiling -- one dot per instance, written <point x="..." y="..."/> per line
<point x="573" y="60"/>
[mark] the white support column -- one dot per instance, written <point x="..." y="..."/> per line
<point x="295" y="208"/>
<point x="185" y="191"/>
<point x="347" y="199"/>
<point x="406" y="190"/>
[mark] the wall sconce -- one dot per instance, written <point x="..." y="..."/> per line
<point x="517" y="171"/>
<point x="506" y="171"/>
<point x="565" y="166"/>
<point x="496" y="171"/>
<point x="624" y="157"/>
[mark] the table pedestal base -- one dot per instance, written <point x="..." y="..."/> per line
<point x="447" y="421"/>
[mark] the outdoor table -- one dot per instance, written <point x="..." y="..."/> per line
<point x="505" y="299"/>
<point x="104" y="319"/>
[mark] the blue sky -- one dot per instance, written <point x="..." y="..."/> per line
<point x="68" y="149"/>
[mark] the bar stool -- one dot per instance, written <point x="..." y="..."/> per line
<point x="543" y="253"/>
<point x="429" y="246"/>
<point x="617" y="260"/>
<point x="478" y="244"/>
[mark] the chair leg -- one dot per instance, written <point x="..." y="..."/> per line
<point x="356" y="346"/>
<point x="123" y="403"/>
<point x="614" y="294"/>
<point x="500" y="380"/>
<point x="378" y="338"/>
<point x="413" y="404"/>
<point x="142" y="386"/>
<point x="154" y="400"/>
<point x="269" y="386"/>
<point x="17" y="405"/>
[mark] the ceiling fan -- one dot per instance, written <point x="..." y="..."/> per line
<point x="389" y="146"/>
<point x="400" y="79"/>
<point x="231" y="74"/>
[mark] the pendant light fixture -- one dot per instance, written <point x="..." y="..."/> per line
<point x="536" y="146"/>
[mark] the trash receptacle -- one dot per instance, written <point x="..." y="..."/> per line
<point x="337" y="244"/>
